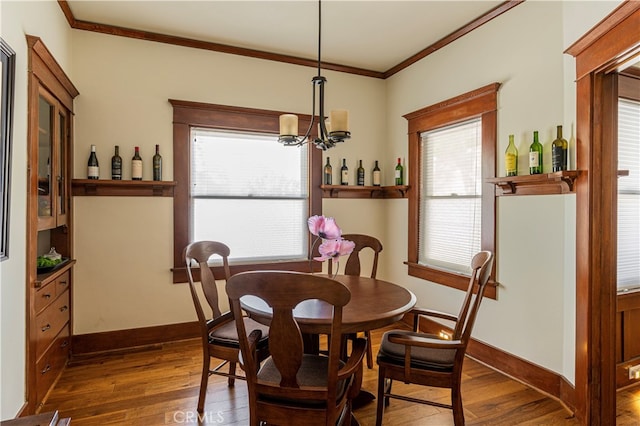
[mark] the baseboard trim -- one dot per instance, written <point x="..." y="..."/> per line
<point x="108" y="341"/>
<point x="540" y="378"/>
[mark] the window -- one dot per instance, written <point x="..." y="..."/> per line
<point x="450" y="194"/>
<point x="236" y="184"/>
<point x="628" y="195"/>
<point x="264" y="194"/>
<point x="452" y="149"/>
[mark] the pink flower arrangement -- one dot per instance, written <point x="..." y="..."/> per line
<point x="332" y="246"/>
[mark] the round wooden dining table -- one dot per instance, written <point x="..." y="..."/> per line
<point x="374" y="304"/>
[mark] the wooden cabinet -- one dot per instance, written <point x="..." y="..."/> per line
<point x="50" y="219"/>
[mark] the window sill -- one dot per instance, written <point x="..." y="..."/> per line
<point x="123" y="188"/>
<point x="350" y="191"/>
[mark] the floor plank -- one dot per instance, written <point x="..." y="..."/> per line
<point x="158" y="385"/>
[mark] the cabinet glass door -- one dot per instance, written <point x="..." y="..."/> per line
<point x="45" y="163"/>
<point x="62" y="170"/>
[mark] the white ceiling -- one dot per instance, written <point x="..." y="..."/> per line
<point x="373" y="35"/>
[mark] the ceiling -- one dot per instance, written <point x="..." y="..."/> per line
<point x="371" y="35"/>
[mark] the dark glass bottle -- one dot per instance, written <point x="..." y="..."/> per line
<point x="559" y="152"/>
<point x="360" y="175"/>
<point x="535" y="156"/>
<point x="375" y="175"/>
<point x="93" y="171"/>
<point x="344" y="173"/>
<point x="328" y="173"/>
<point x="157" y="164"/>
<point x="136" y="165"/>
<point x="116" y="165"/>
<point x="399" y="173"/>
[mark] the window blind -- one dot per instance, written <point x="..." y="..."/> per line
<point x="450" y="196"/>
<point x="250" y="192"/>
<point x="629" y="195"/>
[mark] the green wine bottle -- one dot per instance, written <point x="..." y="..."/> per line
<point x="360" y="175"/>
<point x="559" y="152"/>
<point x="328" y="173"/>
<point x="511" y="158"/>
<point x="399" y="173"/>
<point x="535" y="156"/>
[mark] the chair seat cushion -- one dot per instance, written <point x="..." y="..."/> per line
<point x="425" y="358"/>
<point x="227" y="334"/>
<point x="312" y="373"/>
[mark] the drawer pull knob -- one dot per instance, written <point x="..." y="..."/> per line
<point x="64" y="344"/>
<point x="47" y="368"/>
<point x="63" y="283"/>
<point x="64" y="308"/>
<point x="47" y="296"/>
<point x="46" y="327"/>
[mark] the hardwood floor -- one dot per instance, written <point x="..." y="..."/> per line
<point x="158" y="385"/>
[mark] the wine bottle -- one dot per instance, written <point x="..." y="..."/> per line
<point x="344" y="173"/>
<point x="375" y="178"/>
<point x="116" y="165"/>
<point x="328" y="173"/>
<point x="157" y="164"/>
<point x="93" y="171"/>
<point x="360" y="175"/>
<point x="559" y="152"/>
<point x="535" y="156"/>
<point x="136" y="165"/>
<point x="399" y="174"/>
<point x="511" y="158"/>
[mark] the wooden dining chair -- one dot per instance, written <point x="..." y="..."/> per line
<point x="291" y="387"/>
<point x="426" y="359"/>
<point x="353" y="267"/>
<point x="218" y="330"/>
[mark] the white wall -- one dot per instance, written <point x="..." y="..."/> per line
<point x="43" y="19"/>
<point x="123" y="245"/>
<point x="534" y="315"/>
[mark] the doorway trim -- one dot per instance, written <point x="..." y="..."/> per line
<point x="605" y="48"/>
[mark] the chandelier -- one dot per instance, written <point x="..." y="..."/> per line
<point x="329" y="133"/>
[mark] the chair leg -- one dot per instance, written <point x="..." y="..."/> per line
<point x="380" y="402"/>
<point x="458" y="411"/>
<point x="204" y="380"/>
<point x="232" y="372"/>
<point x="369" y="351"/>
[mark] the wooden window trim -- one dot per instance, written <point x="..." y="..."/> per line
<point x="481" y="103"/>
<point x="194" y="114"/>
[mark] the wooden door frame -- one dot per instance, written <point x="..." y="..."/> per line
<point x="604" y="49"/>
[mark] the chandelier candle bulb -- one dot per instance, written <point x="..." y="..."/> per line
<point x="339" y="120"/>
<point x="289" y="125"/>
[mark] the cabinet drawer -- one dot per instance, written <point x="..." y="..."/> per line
<point x="48" y="292"/>
<point x="50" y="322"/>
<point x="44" y="296"/>
<point x="48" y="368"/>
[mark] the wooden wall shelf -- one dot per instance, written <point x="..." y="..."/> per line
<point x="349" y="191"/>
<point x="542" y="184"/>
<point x="122" y="188"/>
